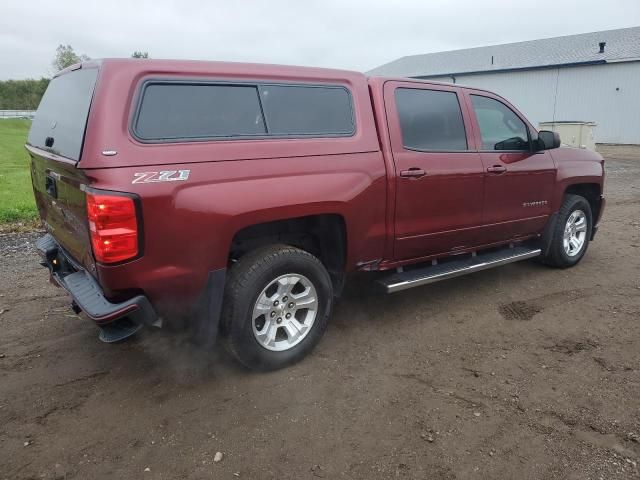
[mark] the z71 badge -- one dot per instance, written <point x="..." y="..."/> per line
<point x="164" y="176"/>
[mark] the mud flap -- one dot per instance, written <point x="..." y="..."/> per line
<point x="547" y="234"/>
<point x="206" y="317"/>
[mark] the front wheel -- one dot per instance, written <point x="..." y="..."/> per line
<point x="276" y="306"/>
<point x="571" y="233"/>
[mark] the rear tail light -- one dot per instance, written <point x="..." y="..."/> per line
<point x="113" y="225"/>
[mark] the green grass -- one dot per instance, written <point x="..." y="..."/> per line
<point x="16" y="197"/>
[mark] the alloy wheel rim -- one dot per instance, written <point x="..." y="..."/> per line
<point x="284" y="312"/>
<point x="575" y="233"/>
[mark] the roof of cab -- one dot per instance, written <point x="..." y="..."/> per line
<point x="381" y="80"/>
<point x="384" y="78"/>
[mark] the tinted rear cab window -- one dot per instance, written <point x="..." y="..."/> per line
<point x="430" y="120"/>
<point x="172" y="111"/>
<point x="61" y="119"/>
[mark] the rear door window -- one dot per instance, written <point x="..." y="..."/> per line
<point x="186" y="111"/>
<point x="61" y="119"/>
<point x="430" y="120"/>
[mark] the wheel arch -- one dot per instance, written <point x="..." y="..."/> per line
<point x="592" y="192"/>
<point x="323" y="235"/>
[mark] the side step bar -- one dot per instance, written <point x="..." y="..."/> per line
<point x="455" y="268"/>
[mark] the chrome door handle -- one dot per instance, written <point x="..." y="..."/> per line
<point x="497" y="169"/>
<point x="413" y="173"/>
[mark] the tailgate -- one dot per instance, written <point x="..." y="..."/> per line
<point x="62" y="205"/>
<point x="55" y="146"/>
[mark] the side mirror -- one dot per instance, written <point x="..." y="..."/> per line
<point x="547" y="140"/>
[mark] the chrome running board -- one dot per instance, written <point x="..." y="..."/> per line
<point x="455" y="268"/>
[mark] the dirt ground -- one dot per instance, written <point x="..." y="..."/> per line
<point x="517" y="372"/>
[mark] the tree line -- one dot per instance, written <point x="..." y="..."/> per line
<point x="22" y="94"/>
<point x="26" y="94"/>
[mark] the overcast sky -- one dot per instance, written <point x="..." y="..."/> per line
<point x="356" y="35"/>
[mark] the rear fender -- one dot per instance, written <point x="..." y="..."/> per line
<point x="189" y="224"/>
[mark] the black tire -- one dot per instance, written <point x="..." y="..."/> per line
<point x="556" y="255"/>
<point x="254" y="272"/>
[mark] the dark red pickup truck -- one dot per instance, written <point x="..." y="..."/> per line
<point x="239" y="196"/>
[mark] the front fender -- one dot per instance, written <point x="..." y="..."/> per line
<point x="576" y="167"/>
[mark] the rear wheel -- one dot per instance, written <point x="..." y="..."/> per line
<point x="276" y="306"/>
<point x="571" y="233"/>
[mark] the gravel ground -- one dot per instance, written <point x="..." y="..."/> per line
<point x="518" y="372"/>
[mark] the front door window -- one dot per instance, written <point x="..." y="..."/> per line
<point x="500" y="128"/>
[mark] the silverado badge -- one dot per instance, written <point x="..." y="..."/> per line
<point x="538" y="203"/>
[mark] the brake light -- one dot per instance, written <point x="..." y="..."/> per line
<point x="113" y="226"/>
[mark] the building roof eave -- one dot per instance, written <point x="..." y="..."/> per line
<point x="516" y="69"/>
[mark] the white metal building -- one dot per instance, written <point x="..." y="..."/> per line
<point x="589" y="77"/>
